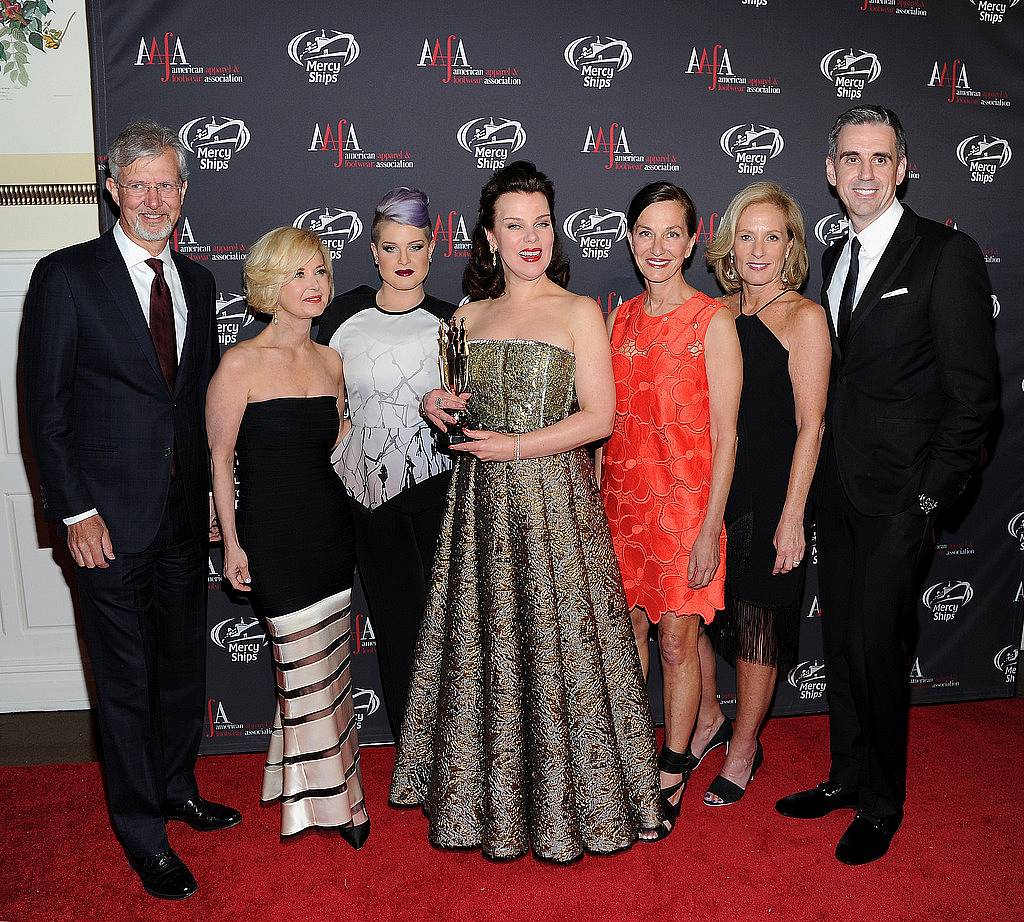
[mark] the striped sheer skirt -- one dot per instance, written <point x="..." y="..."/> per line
<point x="313" y="760"/>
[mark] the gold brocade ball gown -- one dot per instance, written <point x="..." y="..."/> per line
<point x="527" y="724"/>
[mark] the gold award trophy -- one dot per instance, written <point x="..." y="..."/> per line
<point x="453" y="363"/>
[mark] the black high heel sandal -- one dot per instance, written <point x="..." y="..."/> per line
<point x="729" y="791"/>
<point x="356" y="836"/>
<point x="722" y="736"/>
<point x="672" y="763"/>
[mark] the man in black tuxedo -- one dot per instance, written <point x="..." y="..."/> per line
<point x="914" y="387"/>
<point x="119" y="343"/>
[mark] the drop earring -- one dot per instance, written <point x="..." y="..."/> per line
<point x="274" y="320"/>
<point x="494" y="257"/>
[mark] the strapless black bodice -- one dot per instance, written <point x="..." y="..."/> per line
<point x="294" y="521"/>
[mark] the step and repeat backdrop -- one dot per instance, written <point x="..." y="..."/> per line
<point x="306" y="113"/>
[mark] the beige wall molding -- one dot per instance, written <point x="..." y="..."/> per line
<point x="52" y="193"/>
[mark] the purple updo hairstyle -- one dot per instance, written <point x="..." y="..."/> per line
<point x="403" y="206"/>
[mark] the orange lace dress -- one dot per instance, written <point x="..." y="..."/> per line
<point x="656" y="467"/>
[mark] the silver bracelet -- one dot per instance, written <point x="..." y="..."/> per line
<point x="516" y="438"/>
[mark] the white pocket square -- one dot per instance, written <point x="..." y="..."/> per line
<point x="894" y="292"/>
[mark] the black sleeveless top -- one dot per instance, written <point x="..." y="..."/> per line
<point x="766" y="428"/>
<point x="293" y="518"/>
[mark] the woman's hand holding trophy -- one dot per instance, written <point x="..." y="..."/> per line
<point x="444" y="406"/>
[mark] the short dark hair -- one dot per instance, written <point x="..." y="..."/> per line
<point x="662" y="192"/>
<point x="868" y="115"/>
<point x="484" y="279"/>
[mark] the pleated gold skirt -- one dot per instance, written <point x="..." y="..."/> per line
<point x="313" y="760"/>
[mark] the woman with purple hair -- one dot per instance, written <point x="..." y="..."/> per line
<point x="396" y="478"/>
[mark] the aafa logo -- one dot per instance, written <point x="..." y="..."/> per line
<point x="242" y="637"/>
<point x="340" y="137"/>
<point x="706" y="228"/>
<point x="214" y="139"/>
<point x="918" y="676"/>
<point x="608" y="301"/>
<point x="808" y="678"/>
<point x="334" y="226"/>
<point x="945" y="600"/>
<point x="365" y="702"/>
<point x="953" y="75"/>
<point x="1016" y="525"/>
<point x="595" y="230"/>
<point x="323" y="53"/>
<point x="995" y="313"/>
<point x="364" y="632"/>
<point x="166" y="52"/>
<point x="714" y="65"/>
<point x="217" y="720"/>
<point x="451" y="234"/>
<point x="598" y="58"/>
<point x="983" y="154"/>
<point x="831" y="228"/>
<point x="850" y="70"/>
<point x="185" y="242"/>
<point x="752" y="146"/>
<point x="232" y="315"/>
<point x="1006" y="662"/>
<point x="611" y="142"/>
<point x="491" y="140"/>
<point x="451" y="56"/>
<point x="993" y="10"/>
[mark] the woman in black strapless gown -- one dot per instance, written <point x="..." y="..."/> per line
<point x="274" y="404"/>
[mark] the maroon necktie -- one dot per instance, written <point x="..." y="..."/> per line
<point x="161" y="322"/>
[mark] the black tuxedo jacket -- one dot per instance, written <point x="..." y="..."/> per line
<point x="102" y="420"/>
<point x="912" y="395"/>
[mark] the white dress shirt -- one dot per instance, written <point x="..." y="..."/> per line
<point x="873" y="241"/>
<point x="142" y="276"/>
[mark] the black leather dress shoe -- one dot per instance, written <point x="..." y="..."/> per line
<point x="817" y="802"/>
<point x="165" y="875"/>
<point x="204" y="815"/>
<point x="866" y="839"/>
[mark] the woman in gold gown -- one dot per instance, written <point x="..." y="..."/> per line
<point x="527" y="724"/>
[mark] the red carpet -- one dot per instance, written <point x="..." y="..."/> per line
<point x="957" y="857"/>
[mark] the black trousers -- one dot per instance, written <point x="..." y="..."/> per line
<point x="869" y="574"/>
<point x="395" y="545"/>
<point x="144" y="622"/>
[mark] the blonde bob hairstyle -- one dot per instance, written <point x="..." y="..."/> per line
<point x="720" y="255"/>
<point x="275" y="258"/>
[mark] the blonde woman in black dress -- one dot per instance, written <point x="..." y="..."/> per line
<point x="760" y="259"/>
<point x="276" y="402"/>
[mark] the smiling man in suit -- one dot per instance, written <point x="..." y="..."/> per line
<point x="119" y="343"/>
<point x="914" y="388"/>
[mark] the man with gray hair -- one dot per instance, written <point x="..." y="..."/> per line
<point x="118" y="345"/>
<point x="913" y="391"/>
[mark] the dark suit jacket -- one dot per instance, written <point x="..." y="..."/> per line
<point x="102" y="420"/>
<point x="912" y="396"/>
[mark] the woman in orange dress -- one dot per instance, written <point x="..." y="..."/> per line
<point x="667" y="467"/>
